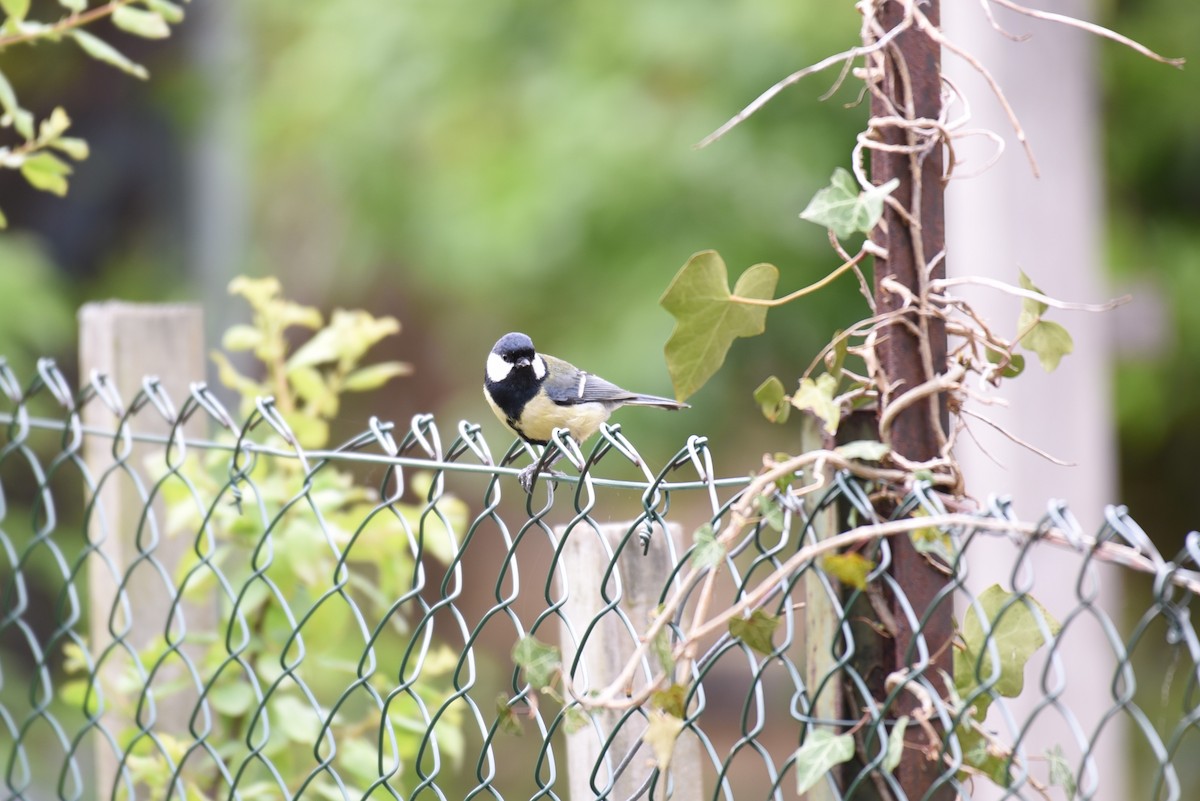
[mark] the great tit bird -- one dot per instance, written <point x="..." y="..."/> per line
<point x="533" y="394"/>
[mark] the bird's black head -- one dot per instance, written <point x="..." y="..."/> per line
<point x="514" y="359"/>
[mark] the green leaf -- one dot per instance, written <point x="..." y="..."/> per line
<point x="539" y="661"/>
<point x="309" y="385"/>
<point x="707" y="321"/>
<point x="661" y="732"/>
<point x="850" y="568"/>
<point x="895" y="746"/>
<point x="73" y="146"/>
<point x="16" y="9"/>
<point x="575" y="719"/>
<point x="755" y="631"/>
<point x="1061" y="774"/>
<point x="978" y="753"/>
<point x="73" y="5"/>
<point x="140" y="22"/>
<point x="822" y="752"/>
<point x="3" y="221"/>
<point x="1015" y="362"/>
<point x="168" y="10"/>
<point x="817" y="397"/>
<point x="662" y="650"/>
<point x="1017" y="635"/>
<point x="375" y="376"/>
<point x="1034" y="308"/>
<point x="773" y="401"/>
<point x="708" y="552"/>
<point x="1050" y="341"/>
<point x="54" y="126"/>
<point x="241" y="337"/>
<point x="867" y="450"/>
<point x="232" y="698"/>
<point x="670" y="700"/>
<point x="101" y="50"/>
<point x="47" y="172"/>
<point x="506" y="716"/>
<point x="771" y="511"/>
<point x="843" y="209"/>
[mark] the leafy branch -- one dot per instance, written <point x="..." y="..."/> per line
<point x="35" y="155"/>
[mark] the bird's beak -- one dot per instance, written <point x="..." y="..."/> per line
<point x="522" y="361"/>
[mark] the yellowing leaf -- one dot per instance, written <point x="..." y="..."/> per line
<point x="139" y="22"/>
<point x="707" y="321"/>
<point x="850" y="568"/>
<point x="47" y="172"/>
<point x="755" y="631"/>
<point x="661" y="732"/>
<point x="101" y="50"/>
<point x="670" y="700"/>
<point x="375" y="376"/>
<point x="868" y="450"/>
<point x="817" y="397"/>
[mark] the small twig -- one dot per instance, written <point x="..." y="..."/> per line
<point x="65" y="24"/>
<point x="992" y="283"/>
<point x="1027" y="445"/>
<point x="1090" y="27"/>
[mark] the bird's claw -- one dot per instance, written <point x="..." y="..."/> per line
<point x="529" y="475"/>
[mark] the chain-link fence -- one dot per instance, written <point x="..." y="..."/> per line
<point x="191" y="615"/>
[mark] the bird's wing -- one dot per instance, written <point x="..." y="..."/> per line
<point x="567" y="385"/>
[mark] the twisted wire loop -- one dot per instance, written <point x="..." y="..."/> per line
<point x="340" y="622"/>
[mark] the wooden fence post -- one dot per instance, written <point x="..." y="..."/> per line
<point x="586" y="557"/>
<point x="128" y="342"/>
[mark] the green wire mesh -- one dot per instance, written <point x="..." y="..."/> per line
<point x="236" y="617"/>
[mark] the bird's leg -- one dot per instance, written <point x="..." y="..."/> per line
<point x="527" y="476"/>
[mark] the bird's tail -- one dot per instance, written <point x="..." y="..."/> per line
<point x="654" y="400"/>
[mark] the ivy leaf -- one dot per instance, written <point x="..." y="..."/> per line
<point x="895" y="746"/>
<point x="574" y="719"/>
<point x="1015" y="366"/>
<point x="140" y="22"/>
<point x="232" y="698"/>
<point x="817" y="397"/>
<point x="670" y="700"/>
<point x="1034" y="308"/>
<point x="47" y="172"/>
<point x="933" y="540"/>
<point x="850" y="568"/>
<point x="101" y="50"/>
<point x="867" y="450"/>
<point x="978" y="754"/>
<point x="707" y="320"/>
<point x="661" y="732"/>
<point x="773" y="401"/>
<point x="506" y="716"/>
<point x="1017" y="635"/>
<point x="771" y="511"/>
<point x="843" y="209"/>
<point x="755" y="631"/>
<point x="822" y="752"/>
<point x="707" y="551"/>
<point x="662" y="650"/>
<point x="539" y="661"/>
<point x="1049" y="340"/>
<point x="1061" y="774"/>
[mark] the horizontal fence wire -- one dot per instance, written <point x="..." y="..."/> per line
<point x="203" y="609"/>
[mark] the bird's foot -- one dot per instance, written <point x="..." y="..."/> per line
<point x="529" y="475"/>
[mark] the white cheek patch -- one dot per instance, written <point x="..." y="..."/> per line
<point x="497" y="368"/>
<point x="539" y="368"/>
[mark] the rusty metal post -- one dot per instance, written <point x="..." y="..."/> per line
<point x="910" y="86"/>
